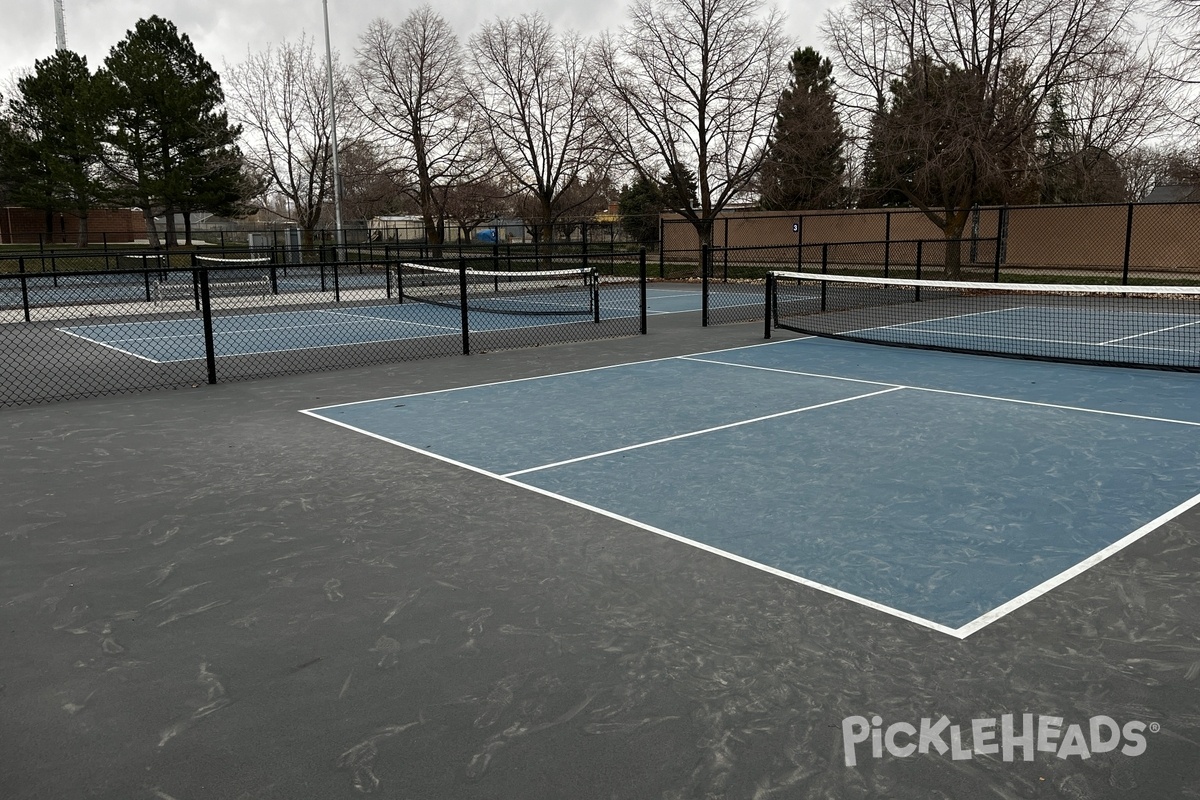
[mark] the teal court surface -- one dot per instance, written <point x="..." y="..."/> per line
<point x="944" y="496"/>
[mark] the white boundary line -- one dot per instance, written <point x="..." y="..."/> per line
<point x="961" y="632"/>
<point x="844" y="595"/>
<point x="1046" y="586"/>
<point x="559" y="374"/>
<point x="111" y="347"/>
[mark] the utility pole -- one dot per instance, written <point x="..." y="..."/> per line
<point x="60" y="29"/>
<point x="337" y="177"/>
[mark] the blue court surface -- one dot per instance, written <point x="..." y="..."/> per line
<point x="944" y="489"/>
<point x="182" y="339"/>
<point x="1089" y="334"/>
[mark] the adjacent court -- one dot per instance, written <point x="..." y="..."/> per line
<point x="237" y="334"/>
<point x="942" y="495"/>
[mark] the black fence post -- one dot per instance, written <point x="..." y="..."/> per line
<point x="1128" y="245"/>
<point x="920" y="244"/>
<point x="210" y="350"/>
<point x="996" y="258"/>
<point x="798" y="229"/>
<point x="462" y="297"/>
<point x="662" y="247"/>
<point x="642" y="287"/>
<point x="24" y="286"/>
<point x="704" y="255"/>
<point x="887" y="243"/>
<point x="583" y="243"/>
<point x="725" y="256"/>
<point x="387" y="271"/>
<point x="824" y="270"/>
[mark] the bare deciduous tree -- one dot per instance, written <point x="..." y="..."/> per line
<point x="689" y="93"/>
<point x="956" y="89"/>
<point x="410" y="89"/>
<point x="281" y="98"/>
<point x="534" y="89"/>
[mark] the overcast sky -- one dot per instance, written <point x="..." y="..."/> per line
<point x="222" y="30"/>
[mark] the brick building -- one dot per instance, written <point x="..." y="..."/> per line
<point x="28" y="226"/>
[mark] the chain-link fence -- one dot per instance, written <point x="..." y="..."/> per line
<point x="77" y="333"/>
<point x="730" y="274"/>
<point x="1152" y="243"/>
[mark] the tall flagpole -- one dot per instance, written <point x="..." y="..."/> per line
<point x="337" y="177"/>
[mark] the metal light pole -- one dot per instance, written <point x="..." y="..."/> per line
<point x="337" y="176"/>
<point x="60" y="29"/>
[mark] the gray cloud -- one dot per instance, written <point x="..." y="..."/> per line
<point x="224" y="31"/>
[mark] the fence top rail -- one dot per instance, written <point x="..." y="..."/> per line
<point x="792" y="245"/>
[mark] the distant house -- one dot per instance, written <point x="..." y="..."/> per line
<point x="1177" y="193"/>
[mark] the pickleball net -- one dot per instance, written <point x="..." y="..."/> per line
<point x="563" y="292"/>
<point x="1134" y="326"/>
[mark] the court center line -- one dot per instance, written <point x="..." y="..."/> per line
<point x="1151" y="333"/>
<point x="690" y="434"/>
<point x="954" y="393"/>
<point x="337" y="313"/>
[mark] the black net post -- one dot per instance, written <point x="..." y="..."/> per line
<point x="462" y="296"/>
<point x="704" y="255"/>
<point x="337" y="287"/>
<point x="642" y="288"/>
<point x="274" y="262"/>
<point x="146" y="279"/>
<point x="210" y="350"/>
<point x="24" y="287"/>
<point x="770" y="291"/>
<point x="195" y="281"/>
<point x="824" y="269"/>
<point x="594" y="278"/>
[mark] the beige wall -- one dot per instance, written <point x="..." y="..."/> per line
<point x="1165" y="237"/>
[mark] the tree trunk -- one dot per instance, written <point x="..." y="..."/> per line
<point x="151" y="227"/>
<point x="547" y="233"/>
<point x="956" y="223"/>
<point x="172" y="234"/>
<point x="81" y="239"/>
<point x="187" y="227"/>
